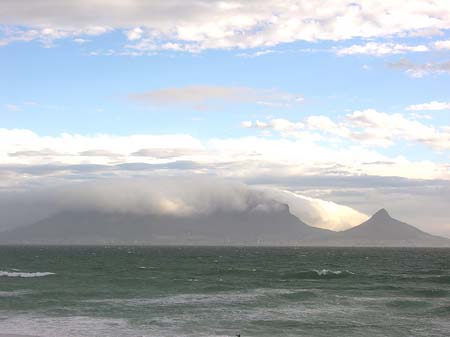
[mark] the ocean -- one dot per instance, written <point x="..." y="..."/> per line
<point x="224" y="291"/>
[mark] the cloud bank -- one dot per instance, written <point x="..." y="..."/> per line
<point x="175" y="196"/>
<point x="308" y="160"/>
<point x="198" y="25"/>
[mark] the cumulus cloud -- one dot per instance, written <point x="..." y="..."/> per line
<point x="381" y="49"/>
<point x="434" y="105"/>
<point x="384" y="129"/>
<point x="368" y="126"/>
<point x="134" y="34"/>
<point x="198" y="25"/>
<point x="203" y="96"/>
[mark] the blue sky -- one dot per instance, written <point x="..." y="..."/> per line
<point x="277" y="91"/>
<point x="71" y="86"/>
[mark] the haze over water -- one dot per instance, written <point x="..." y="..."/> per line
<point x="212" y="291"/>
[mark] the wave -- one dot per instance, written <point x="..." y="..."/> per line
<point x="81" y="326"/>
<point x="318" y="274"/>
<point x="442" y="310"/>
<point x="4" y="273"/>
<point x="428" y="292"/>
<point x="300" y="295"/>
<point x="405" y="304"/>
<point x="198" y="299"/>
<point x="325" y="272"/>
<point x="14" y="293"/>
<point x="440" y="279"/>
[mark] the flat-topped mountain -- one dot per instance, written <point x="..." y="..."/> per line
<point x="250" y="227"/>
<point x="275" y="227"/>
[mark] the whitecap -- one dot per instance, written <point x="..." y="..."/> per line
<point x="4" y="273"/>
<point x="14" y="293"/>
<point x="325" y="272"/>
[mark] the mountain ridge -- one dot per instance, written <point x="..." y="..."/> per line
<point x="250" y="227"/>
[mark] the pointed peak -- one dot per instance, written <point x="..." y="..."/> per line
<point x="382" y="213"/>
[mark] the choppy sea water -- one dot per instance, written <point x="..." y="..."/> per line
<point x="180" y="291"/>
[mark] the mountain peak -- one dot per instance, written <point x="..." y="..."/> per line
<point x="381" y="214"/>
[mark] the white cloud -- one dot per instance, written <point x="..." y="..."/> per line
<point x="247" y="124"/>
<point x="415" y="115"/>
<point x="134" y="34"/>
<point x="442" y="44"/>
<point x="434" y="105"/>
<point x="381" y="49"/>
<point x="319" y="213"/>
<point x="325" y="124"/>
<point x="277" y="124"/>
<point x="368" y="127"/>
<point x="26" y="157"/>
<point x="71" y="147"/>
<point x="385" y="128"/>
<point x="47" y="35"/>
<point x="257" y="53"/>
<point x="80" y="40"/>
<point x="215" y="24"/>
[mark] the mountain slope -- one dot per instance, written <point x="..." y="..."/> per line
<point x="383" y="230"/>
<point x="248" y="227"/>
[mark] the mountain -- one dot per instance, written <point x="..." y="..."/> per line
<point x="275" y="227"/>
<point x="251" y="227"/>
<point x="383" y="230"/>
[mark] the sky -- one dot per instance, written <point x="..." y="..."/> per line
<point x="345" y="103"/>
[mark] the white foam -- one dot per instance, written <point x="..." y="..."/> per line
<point x="325" y="272"/>
<point x="4" y="273"/>
<point x="14" y="293"/>
<point x="79" y="326"/>
<point x="144" y="267"/>
<point x="220" y="298"/>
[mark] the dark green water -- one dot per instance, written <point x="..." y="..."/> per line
<point x="130" y="291"/>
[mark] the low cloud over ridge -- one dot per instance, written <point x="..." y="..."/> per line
<point x="180" y="196"/>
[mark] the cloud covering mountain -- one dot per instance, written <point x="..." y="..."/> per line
<point x="170" y="196"/>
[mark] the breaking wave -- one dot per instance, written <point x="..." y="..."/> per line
<point x="319" y="274"/>
<point x="325" y="272"/>
<point x="4" y="273"/>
